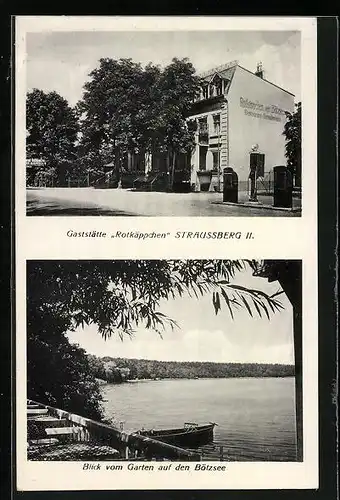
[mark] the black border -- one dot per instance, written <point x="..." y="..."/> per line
<point x="328" y="122"/>
<point x="327" y="239"/>
<point x="6" y="240"/>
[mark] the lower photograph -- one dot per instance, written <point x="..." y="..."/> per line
<point x="165" y="360"/>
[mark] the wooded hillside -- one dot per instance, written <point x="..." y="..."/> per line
<point x="117" y="370"/>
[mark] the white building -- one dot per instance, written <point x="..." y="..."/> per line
<point x="236" y="111"/>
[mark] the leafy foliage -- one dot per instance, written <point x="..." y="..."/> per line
<point x="127" y="108"/>
<point x="292" y="133"/>
<point x="108" y="369"/>
<point x="153" y="369"/>
<point x="58" y="373"/>
<point x="178" y="86"/>
<point x="52" y="128"/>
<point x="112" y="110"/>
<point x="120" y="295"/>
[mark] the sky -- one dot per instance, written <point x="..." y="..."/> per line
<point x="204" y="336"/>
<point x="62" y="61"/>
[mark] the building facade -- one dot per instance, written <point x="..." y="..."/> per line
<point x="237" y="112"/>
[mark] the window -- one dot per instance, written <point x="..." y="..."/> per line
<point x="205" y="92"/>
<point x="218" y="85"/>
<point x="212" y="90"/>
<point x="217" y="124"/>
<point x="203" y="135"/>
<point x="202" y="125"/>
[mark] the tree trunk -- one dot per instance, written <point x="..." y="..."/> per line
<point x="289" y="274"/>
<point x="291" y="282"/>
<point x="297" y="322"/>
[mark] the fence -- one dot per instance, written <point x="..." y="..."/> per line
<point x="128" y="444"/>
<point x="80" y="182"/>
<point x="265" y="184"/>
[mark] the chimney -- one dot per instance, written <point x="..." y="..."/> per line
<point x="259" y="70"/>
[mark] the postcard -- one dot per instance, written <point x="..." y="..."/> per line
<point x="166" y="323"/>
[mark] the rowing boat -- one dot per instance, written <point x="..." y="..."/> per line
<point x="189" y="436"/>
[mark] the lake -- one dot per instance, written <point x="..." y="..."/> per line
<point x="255" y="417"/>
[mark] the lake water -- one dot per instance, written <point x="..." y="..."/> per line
<point x="255" y="417"/>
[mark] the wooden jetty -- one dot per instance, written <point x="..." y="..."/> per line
<point x="55" y="434"/>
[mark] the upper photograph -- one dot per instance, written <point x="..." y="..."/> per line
<point x="163" y="123"/>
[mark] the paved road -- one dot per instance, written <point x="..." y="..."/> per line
<point x="121" y="202"/>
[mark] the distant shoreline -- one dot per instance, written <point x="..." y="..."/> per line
<point x="143" y="380"/>
<point x="124" y="370"/>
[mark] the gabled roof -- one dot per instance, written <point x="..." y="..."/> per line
<point x="227" y="71"/>
<point x="226" y="74"/>
<point x="267" y="81"/>
<point x="212" y="78"/>
<point x="218" y="69"/>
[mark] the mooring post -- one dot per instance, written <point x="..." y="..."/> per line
<point x="221" y="453"/>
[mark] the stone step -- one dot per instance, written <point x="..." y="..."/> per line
<point x="44" y="441"/>
<point x="48" y="418"/>
<point x="37" y="411"/>
<point x="44" y="422"/>
<point x="63" y="431"/>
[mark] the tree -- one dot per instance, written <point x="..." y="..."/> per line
<point x="96" y="366"/>
<point x="178" y="87"/>
<point x="116" y="112"/>
<point x="153" y="369"/>
<point x="52" y="128"/>
<point x="129" y="109"/>
<point x="59" y="373"/>
<point x="292" y="133"/>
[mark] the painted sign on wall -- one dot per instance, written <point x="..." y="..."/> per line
<point x="260" y="110"/>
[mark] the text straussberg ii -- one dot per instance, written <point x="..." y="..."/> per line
<point x="208" y="235"/>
